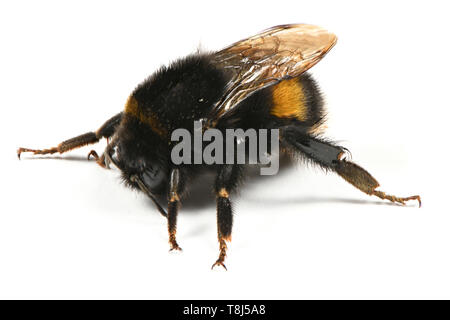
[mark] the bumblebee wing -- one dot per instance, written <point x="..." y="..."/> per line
<point x="267" y="58"/>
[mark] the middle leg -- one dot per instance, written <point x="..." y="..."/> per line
<point x="227" y="179"/>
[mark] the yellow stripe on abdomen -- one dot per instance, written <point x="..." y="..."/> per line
<point x="289" y="100"/>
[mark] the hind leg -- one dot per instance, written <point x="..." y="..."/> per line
<point x="105" y="131"/>
<point x="329" y="156"/>
<point x="364" y="181"/>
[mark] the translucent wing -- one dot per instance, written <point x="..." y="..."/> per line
<point x="267" y="58"/>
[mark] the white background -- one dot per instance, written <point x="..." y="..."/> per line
<point x="69" y="229"/>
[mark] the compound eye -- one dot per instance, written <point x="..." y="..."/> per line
<point x="152" y="176"/>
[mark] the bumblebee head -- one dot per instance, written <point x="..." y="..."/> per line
<point x="142" y="173"/>
<point x="142" y="162"/>
<point x="141" y="169"/>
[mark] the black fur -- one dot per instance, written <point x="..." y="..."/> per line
<point x="314" y="101"/>
<point x="182" y="92"/>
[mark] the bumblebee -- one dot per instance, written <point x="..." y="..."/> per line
<point x="258" y="82"/>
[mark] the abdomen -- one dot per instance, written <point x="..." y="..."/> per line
<point x="293" y="101"/>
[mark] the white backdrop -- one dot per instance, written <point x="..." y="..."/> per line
<point x="69" y="229"/>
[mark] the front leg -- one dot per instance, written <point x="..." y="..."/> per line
<point x="227" y="179"/>
<point x="175" y="188"/>
<point x="105" y="131"/>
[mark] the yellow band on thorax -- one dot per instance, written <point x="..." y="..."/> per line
<point x="132" y="108"/>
